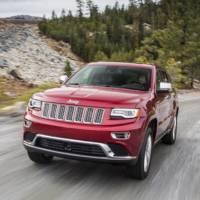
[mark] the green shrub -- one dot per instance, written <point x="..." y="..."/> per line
<point x="68" y="69"/>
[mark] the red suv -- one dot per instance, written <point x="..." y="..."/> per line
<point x="108" y="112"/>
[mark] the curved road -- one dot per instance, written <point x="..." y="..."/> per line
<point x="175" y="171"/>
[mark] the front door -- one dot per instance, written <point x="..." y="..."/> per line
<point x="163" y="104"/>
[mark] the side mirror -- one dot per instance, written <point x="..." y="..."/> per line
<point x="164" y="87"/>
<point x="63" y="79"/>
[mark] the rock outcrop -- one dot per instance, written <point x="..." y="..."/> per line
<point x="26" y="56"/>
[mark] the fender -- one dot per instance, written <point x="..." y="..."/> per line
<point x="149" y="118"/>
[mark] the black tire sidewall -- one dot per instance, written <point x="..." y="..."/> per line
<point x="142" y="155"/>
<point x="137" y="171"/>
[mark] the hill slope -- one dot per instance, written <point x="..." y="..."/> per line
<point x="27" y="56"/>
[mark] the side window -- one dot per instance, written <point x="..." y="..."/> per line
<point x="162" y="76"/>
<point x="168" y="78"/>
<point x="165" y="77"/>
<point x="159" y="79"/>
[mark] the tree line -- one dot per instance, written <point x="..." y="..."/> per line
<point x="165" y="32"/>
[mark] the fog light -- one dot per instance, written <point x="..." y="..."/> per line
<point x="27" y="123"/>
<point x="120" y="135"/>
<point x="29" y="137"/>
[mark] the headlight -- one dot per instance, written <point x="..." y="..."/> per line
<point x="125" y="113"/>
<point x="35" y="104"/>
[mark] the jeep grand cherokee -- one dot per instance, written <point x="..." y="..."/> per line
<point x="108" y="112"/>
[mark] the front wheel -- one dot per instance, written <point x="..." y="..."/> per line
<point x="141" y="169"/>
<point x="170" y="138"/>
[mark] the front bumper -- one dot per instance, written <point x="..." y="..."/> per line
<point x="87" y="134"/>
<point x="108" y="156"/>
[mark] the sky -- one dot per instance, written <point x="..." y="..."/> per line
<point x="44" y="7"/>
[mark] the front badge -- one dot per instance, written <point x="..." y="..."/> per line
<point x="71" y="101"/>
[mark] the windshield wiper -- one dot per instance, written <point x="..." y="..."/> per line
<point x="73" y="84"/>
<point x="106" y="85"/>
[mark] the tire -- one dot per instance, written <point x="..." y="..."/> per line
<point x="141" y="169"/>
<point x="170" y="138"/>
<point x="39" y="158"/>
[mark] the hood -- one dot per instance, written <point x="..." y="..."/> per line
<point x="82" y="95"/>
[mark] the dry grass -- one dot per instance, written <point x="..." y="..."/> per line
<point x="9" y="85"/>
<point x="20" y="90"/>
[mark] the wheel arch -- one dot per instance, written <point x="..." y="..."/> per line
<point x="153" y="123"/>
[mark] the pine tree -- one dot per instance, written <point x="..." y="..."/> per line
<point x="120" y="33"/>
<point x="63" y="13"/>
<point x="53" y="15"/>
<point x="89" y="4"/>
<point x="80" y="5"/>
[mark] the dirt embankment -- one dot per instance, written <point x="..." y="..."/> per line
<point x="26" y="55"/>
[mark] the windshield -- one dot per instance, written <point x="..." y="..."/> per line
<point x="113" y="76"/>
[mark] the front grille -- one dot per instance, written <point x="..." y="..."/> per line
<point x="70" y="113"/>
<point x="70" y="147"/>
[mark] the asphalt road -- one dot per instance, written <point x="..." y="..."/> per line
<point x="175" y="171"/>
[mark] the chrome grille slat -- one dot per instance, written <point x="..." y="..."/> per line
<point x="61" y="112"/>
<point x="88" y="115"/>
<point x="46" y="110"/>
<point x="99" y="116"/>
<point x="70" y="113"/>
<point x="53" y="111"/>
<point x="79" y="114"/>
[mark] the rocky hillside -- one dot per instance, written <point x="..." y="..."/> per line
<point x="25" y="55"/>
